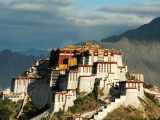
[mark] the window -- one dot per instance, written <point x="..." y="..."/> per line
<point x="62" y="98"/>
<point x="83" y="69"/>
<point x="138" y="86"/>
<point x="19" y="82"/>
<point x="109" y="68"/>
<point x="104" y="67"/>
<point x="70" y="77"/>
<point x="73" y="77"/>
<point x="58" y="98"/>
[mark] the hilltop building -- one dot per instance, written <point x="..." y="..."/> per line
<point x="54" y="81"/>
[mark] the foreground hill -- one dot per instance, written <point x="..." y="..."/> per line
<point x="13" y="65"/>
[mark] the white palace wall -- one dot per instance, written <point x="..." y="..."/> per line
<point x="86" y="83"/>
<point x="131" y="97"/>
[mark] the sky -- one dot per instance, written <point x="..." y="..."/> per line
<point x="47" y="24"/>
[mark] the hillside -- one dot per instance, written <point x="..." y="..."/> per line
<point x="148" y="110"/>
<point x="13" y="65"/>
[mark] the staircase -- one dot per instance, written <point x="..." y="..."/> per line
<point x="110" y="108"/>
<point x="55" y="80"/>
<point x="23" y="104"/>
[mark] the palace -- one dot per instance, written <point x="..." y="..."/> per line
<point x="53" y="81"/>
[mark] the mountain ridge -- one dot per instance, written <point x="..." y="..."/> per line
<point x="33" y="52"/>
<point x="145" y="33"/>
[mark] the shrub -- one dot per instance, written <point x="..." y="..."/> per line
<point x="73" y="109"/>
<point x="79" y="101"/>
<point x="117" y="95"/>
<point x="151" y="97"/>
<point x="23" y="117"/>
<point x="91" y="95"/>
<point x="85" y="97"/>
<point x="1" y="104"/>
<point x="77" y="91"/>
<point x="147" y="85"/>
<point x="7" y="101"/>
<point x="60" y="113"/>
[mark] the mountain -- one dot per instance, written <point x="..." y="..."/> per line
<point x="13" y="65"/>
<point x="140" y="50"/>
<point x="145" y="33"/>
<point x="33" y="52"/>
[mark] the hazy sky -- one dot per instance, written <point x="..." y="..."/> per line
<point x="47" y="24"/>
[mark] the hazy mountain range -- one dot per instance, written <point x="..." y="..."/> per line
<point x="140" y="51"/>
<point x="13" y="65"/>
<point x="33" y="52"/>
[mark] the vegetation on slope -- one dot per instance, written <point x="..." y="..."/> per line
<point x="88" y="102"/>
<point x="148" y="110"/>
<point x="9" y="109"/>
<point x="125" y="113"/>
<point x="152" y="97"/>
<point x="82" y="104"/>
<point x="30" y="110"/>
<point x="147" y="85"/>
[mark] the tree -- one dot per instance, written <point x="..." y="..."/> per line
<point x="1" y="104"/>
<point x="5" y="114"/>
<point x="128" y="75"/>
<point x="7" y="101"/>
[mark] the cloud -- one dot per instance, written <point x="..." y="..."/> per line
<point x="55" y="2"/>
<point x="132" y="9"/>
<point x="45" y="24"/>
